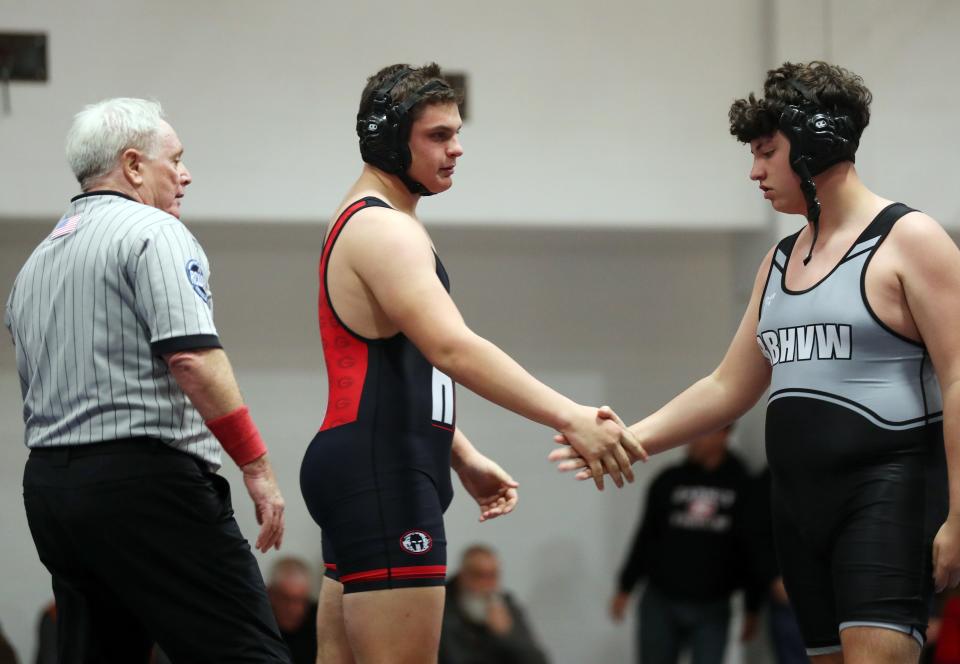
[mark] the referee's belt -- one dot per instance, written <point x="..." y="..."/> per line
<point x="63" y="453"/>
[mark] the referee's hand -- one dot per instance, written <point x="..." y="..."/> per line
<point x="262" y="487"/>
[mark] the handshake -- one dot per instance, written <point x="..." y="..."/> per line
<point x="597" y="443"/>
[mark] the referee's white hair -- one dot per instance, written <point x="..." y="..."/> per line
<point x="102" y="131"/>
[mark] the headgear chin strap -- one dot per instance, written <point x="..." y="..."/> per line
<point x="818" y="140"/>
<point x="385" y="132"/>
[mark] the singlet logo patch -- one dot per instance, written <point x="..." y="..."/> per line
<point x="416" y="542"/>
<point x="198" y="280"/>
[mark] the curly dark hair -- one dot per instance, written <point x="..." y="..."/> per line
<point x="840" y="91"/>
<point x="412" y="82"/>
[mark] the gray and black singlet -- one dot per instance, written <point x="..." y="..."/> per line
<point x="854" y="439"/>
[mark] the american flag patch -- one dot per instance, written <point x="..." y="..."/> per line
<point x="65" y="226"/>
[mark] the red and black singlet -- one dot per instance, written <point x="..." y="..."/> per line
<point x="384" y="385"/>
<point x="376" y="477"/>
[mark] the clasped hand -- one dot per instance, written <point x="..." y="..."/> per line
<point x="597" y="443"/>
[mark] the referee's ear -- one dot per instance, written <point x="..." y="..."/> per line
<point x="131" y="161"/>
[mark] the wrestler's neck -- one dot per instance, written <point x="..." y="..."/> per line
<point x="388" y="187"/>
<point x="845" y="202"/>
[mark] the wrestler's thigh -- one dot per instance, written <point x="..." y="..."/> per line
<point x="397" y="626"/>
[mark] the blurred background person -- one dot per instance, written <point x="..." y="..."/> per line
<point x="482" y="624"/>
<point x="694" y="549"/>
<point x="786" y="641"/>
<point x="943" y="632"/>
<point x="291" y="594"/>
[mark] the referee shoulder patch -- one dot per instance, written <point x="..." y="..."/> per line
<point x="198" y="279"/>
<point x="65" y="226"/>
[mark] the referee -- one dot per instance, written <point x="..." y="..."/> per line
<point x="126" y="393"/>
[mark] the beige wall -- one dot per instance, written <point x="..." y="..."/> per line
<point x="628" y="99"/>
<point x="264" y="96"/>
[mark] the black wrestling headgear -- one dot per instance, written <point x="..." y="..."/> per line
<point x="818" y="140"/>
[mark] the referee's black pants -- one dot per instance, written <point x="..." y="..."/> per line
<point x="143" y="547"/>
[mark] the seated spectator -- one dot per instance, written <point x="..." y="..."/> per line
<point x="482" y="624"/>
<point x="291" y="595"/>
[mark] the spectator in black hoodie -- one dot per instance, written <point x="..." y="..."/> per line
<point x="694" y="549"/>
<point x="785" y="636"/>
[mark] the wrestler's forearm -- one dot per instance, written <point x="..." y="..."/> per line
<point x="951" y="441"/>
<point x="461" y="450"/>
<point x="483" y="368"/>
<point x="705" y="406"/>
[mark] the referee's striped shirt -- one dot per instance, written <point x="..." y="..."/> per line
<point x="115" y="285"/>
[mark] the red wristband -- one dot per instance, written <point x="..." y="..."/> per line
<point x="239" y="436"/>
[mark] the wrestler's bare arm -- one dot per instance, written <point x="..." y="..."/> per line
<point x="710" y="403"/>
<point x="390" y="252"/>
<point x="718" y="399"/>
<point x="928" y="265"/>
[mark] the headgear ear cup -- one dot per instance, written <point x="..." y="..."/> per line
<point x="816" y="135"/>
<point x="385" y="132"/>
<point x="378" y="130"/>
<point x="816" y="144"/>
